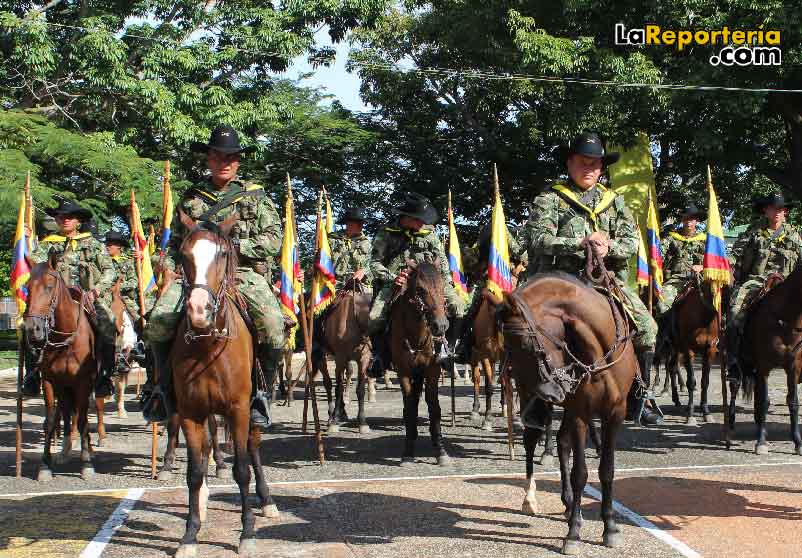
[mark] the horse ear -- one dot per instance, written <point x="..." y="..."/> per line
<point x="229" y="223"/>
<point x="186" y="220"/>
<point x="53" y="258"/>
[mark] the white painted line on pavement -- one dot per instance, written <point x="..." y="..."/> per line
<point x="550" y="473"/>
<point x="646" y="525"/>
<point x="95" y="548"/>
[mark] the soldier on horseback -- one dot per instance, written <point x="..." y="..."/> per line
<point x="771" y="247"/>
<point x="571" y="215"/>
<point x="257" y="239"/>
<point x="85" y="264"/>
<point x="683" y="252"/>
<point x="350" y="249"/>
<point x="411" y="237"/>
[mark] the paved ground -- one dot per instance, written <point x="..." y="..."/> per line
<point x="681" y="493"/>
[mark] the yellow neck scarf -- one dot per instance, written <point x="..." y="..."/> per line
<point x="698" y="237"/>
<point x="768" y="233"/>
<point x="63" y="239"/>
<point x="409" y="233"/>
<point x="608" y="197"/>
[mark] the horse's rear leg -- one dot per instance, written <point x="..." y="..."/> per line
<point x="266" y="503"/>
<point x="706" y="357"/>
<point x="362" y="381"/>
<point x="547" y="458"/>
<point x="577" y="432"/>
<point x="531" y="438"/>
<point x="476" y="369"/>
<point x="435" y="430"/>
<point x="612" y="533"/>
<point x="672" y="369"/>
<point x="121" y="382"/>
<point x="100" y="404"/>
<point x="490" y="387"/>
<point x="411" y="388"/>
<point x="173" y="424"/>
<point x="241" y="432"/>
<point x="64" y="410"/>
<point x="51" y="420"/>
<point x="690" y="418"/>
<point x="761" y="410"/>
<point x="793" y="409"/>
<point x="222" y="470"/>
<point x="87" y="469"/>
<point x="341" y="391"/>
<point x="197" y="462"/>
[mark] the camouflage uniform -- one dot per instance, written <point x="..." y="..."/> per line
<point x="258" y="231"/>
<point x="557" y="226"/>
<point x="392" y="247"/>
<point x="475" y="263"/>
<point x="758" y="253"/>
<point x="86" y="264"/>
<point x="680" y="254"/>
<point x="349" y="254"/>
<point x="129" y="288"/>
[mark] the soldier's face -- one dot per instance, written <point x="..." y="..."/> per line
<point x="113" y="249"/>
<point x="584" y="171"/>
<point x="224" y="166"/>
<point x="353" y="228"/>
<point x="68" y="223"/>
<point x="775" y="214"/>
<point x="411" y="223"/>
<point x="689" y="223"/>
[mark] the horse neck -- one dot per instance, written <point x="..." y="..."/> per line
<point x="415" y="328"/>
<point x="66" y="312"/>
<point x="789" y="292"/>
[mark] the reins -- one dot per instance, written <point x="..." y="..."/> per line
<point x="50" y="319"/>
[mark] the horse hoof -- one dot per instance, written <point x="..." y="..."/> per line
<point x="546" y="460"/>
<point x="708" y="418"/>
<point x="372" y="398"/>
<point x="444" y="460"/>
<point x="613" y="540"/>
<point x="691" y="421"/>
<point x="44" y="475"/>
<point x="247" y="547"/>
<point x="407" y="461"/>
<point x="475" y="418"/>
<point x="165" y="475"/>
<point x="798" y="450"/>
<point x="364" y="429"/>
<point x="570" y="547"/>
<point x="530" y="507"/>
<point x="677" y="403"/>
<point x="87" y="473"/>
<point x="122" y="413"/>
<point x="762" y="449"/>
<point x="270" y="511"/>
<point x="487" y="426"/>
<point x="333" y="428"/>
<point x="187" y="551"/>
<point x="224" y="473"/>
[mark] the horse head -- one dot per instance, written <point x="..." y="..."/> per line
<point x="44" y="287"/>
<point x="209" y="260"/>
<point x="426" y="288"/>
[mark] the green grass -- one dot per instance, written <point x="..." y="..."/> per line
<point x="8" y="359"/>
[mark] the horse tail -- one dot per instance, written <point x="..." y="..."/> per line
<point x="748" y="379"/>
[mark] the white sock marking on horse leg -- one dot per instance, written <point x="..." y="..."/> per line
<point x="203" y="500"/>
<point x="530" y="500"/>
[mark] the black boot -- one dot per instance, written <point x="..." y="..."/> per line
<point x="32" y="382"/>
<point x="261" y="399"/>
<point x="104" y="387"/>
<point x="382" y="358"/>
<point x="464" y="346"/>
<point x="645" y="415"/>
<point x="161" y="403"/>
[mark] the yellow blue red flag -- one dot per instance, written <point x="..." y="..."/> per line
<point x="167" y="208"/>
<point x="329" y="218"/>
<point x="455" y="255"/>
<point x="147" y="281"/>
<point x="323" y="282"/>
<point x="290" y="266"/>
<point x="20" y="270"/>
<point x="655" y="253"/>
<point x="716" y="264"/>
<point x="499" y="270"/>
<point x="643" y="263"/>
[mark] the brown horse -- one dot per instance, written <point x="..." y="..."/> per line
<point x="223" y="471"/>
<point x="694" y="329"/>
<point x="557" y="327"/>
<point x="417" y="318"/>
<point x="56" y="325"/>
<point x="212" y="360"/>
<point x="345" y="336"/>
<point x="772" y="339"/>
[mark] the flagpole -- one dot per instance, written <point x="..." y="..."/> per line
<point x="649" y="253"/>
<point x="306" y="389"/>
<point x="305" y="331"/>
<point x="453" y="365"/>
<point x="21" y="344"/>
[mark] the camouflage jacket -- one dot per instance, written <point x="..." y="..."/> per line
<point x="393" y="246"/>
<point x="129" y="289"/>
<point x="758" y="252"/>
<point x="85" y="262"/>
<point x="350" y="254"/>
<point x="557" y="225"/>
<point x="680" y="254"/>
<point x="258" y="229"/>
<point x="475" y="257"/>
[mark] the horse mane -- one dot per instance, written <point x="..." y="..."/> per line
<point x="428" y="272"/>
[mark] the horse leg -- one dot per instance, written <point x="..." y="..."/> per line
<point x="362" y="380"/>
<point x="690" y="419"/>
<point x="346" y="398"/>
<point x="266" y="503"/>
<point x="761" y="410"/>
<point x="490" y="385"/>
<point x="64" y="411"/>
<point x="612" y="533"/>
<point x="793" y="410"/>
<point x="595" y="437"/>
<point x="242" y="434"/>
<point x="564" y="455"/>
<point x="119" y="394"/>
<point x="410" y="390"/>
<point x="577" y="431"/>
<point x="343" y="383"/>
<point x="672" y="365"/>
<point x="327" y="385"/>
<point x="173" y="425"/>
<point x="477" y="381"/>
<point x="433" y="404"/>
<point x="221" y="469"/>
<point x="547" y="458"/>
<point x="706" y="357"/>
<point x="51" y="419"/>
<point x="196" y="437"/>
<point x="100" y="403"/>
<point x="87" y="469"/>
<point x="531" y="438"/>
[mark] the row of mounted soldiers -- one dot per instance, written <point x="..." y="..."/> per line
<point x="563" y="222"/>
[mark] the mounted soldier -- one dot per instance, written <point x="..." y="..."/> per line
<point x="410" y="237"/>
<point x="350" y="249"/>
<point x="683" y="252"/>
<point x="768" y="250"/>
<point x="257" y="240"/>
<point x="581" y="212"/>
<point x="84" y="263"/>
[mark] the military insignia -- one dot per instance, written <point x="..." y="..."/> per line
<point x="225" y="134"/>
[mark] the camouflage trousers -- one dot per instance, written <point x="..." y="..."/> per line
<point x="736" y="316"/>
<point x="646" y="337"/>
<point x="380" y="309"/>
<point x="671" y="289"/>
<point x="262" y="306"/>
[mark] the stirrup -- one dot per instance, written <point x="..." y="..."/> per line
<point x="154" y="406"/>
<point x="260" y="409"/>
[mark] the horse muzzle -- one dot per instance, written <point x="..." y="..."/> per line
<point x="440" y="326"/>
<point x="35" y="331"/>
<point x="199" y="309"/>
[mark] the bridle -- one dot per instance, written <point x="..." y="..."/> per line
<point x="48" y="321"/>
<point x="426" y="314"/>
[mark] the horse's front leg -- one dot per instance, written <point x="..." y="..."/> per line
<point x="612" y="533"/>
<point x="100" y="404"/>
<point x="51" y="420"/>
<point x="672" y="370"/>
<point x="761" y="410"/>
<point x="222" y="470"/>
<point x="579" y="478"/>
<point x="793" y="410"/>
<point x="173" y="426"/>
<point x="435" y="427"/>
<point x="64" y="409"/>
<point x="490" y="387"/>
<point x="121" y="382"/>
<point x="197" y="438"/>
<point x="243" y="437"/>
<point x="690" y="418"/>
<point x="476" y="369"/>
<point x="361" y="387"/>
<point x="266" y="503"/>
<point x="706" y="357"/>
<point x="564" y="454"/>
<point x="87" y="469"/>
<point x="410" y="391"/>
<point x="531" y="438"/>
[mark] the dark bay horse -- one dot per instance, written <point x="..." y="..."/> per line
<point x="417" y="317"/>
<point x="212" y="359"/>
<point x="772" y="339"/>
<point x="556" y="326"/>
<point x="57" y="326"/>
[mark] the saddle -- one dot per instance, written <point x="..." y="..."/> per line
<point x="689" y="286"/>
<point x="753" y="298"/>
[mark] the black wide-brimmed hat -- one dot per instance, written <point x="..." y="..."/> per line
<point x="776" y="199"/>
<point x="224" y="139"/>
<point x="69" y="208"/>
<point x="418" y="207"/>
<point x="114" y="237"/>
<point x="691" y="211"/>
<point x="354" y="214"/>
<point x="589" y="144"/>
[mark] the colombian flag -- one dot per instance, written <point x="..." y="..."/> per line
<point x="323" y="281"/>
<point x="655" y="253"/>
<point x="499" y="274"/>
<point x="455" y="255"/>
<point x="147" y="282"/>
<point x="716" y="265"/>
<point x="643" y="264"/>
<point x="20" y="271"/>
<point x="167" y="207"/>
<point x="329" y="218"/>
<point x="290" y="268"/>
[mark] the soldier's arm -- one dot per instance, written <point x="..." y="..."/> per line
<point x="377" y="254"/>
<point x="666" y="247"/>
<point x="266" y="243"/>
<point x="624" y="241"/>
<point x="540" y="232"/>
<point x="40" y="254"/>
<point x="741" y="255"/>
<point x="364" y="261"/>
<point x="516" y="251"/>
<point x="108" y="273"/>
